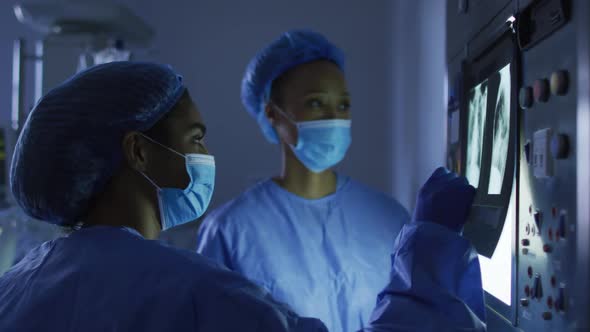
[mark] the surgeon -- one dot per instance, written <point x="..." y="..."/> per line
<point x="314" y="238"/>
<point x="116" y="153"/>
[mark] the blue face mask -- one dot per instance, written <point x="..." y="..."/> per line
<point x="179" y="206"/>
<point x="321" y="144"/>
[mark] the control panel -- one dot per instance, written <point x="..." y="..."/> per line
<point x="536" y="271"/>
<point x="547" y="183"/>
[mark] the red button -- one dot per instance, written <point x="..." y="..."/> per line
<point x="541" y="90"/>
<point x="547" y="248"/>
<point x="525" y="242"/>
<point x="550" y="302"/>
<point x="530" y="272"/>
<point x="527" y="290"/>
<point x="550" y="233"/>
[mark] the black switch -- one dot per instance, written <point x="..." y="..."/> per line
<point x="537" y="287"/>
<point x="560" y="302"/>
<point x="538" y="219"/>
<point x="562" y="225"/>
<point x="560" y="146"/>
<point x="525" y="97"/>
<point x="527" y="152"/>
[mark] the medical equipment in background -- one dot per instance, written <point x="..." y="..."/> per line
<point x="519" y="129"/>
<point x="73" y="35"/>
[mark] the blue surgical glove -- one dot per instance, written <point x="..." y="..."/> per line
<point x="445" y="199"/>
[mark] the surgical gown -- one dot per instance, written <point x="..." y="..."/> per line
<point x="112" y="279"/>
<point x="327" y="258"/>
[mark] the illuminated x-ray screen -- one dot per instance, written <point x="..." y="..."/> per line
<point x="496" y="272"/>
<point x="478" y="98"/>
<point x="501" y="133"/>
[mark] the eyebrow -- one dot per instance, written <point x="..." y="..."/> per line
<point x="313" y="92"/>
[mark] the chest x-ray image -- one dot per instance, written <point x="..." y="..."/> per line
<point x="478" y="98"/>
<point x="501" y="133"/>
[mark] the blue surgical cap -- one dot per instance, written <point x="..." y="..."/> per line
<point x="70" y="145"/>
<point x="291" y="49"/>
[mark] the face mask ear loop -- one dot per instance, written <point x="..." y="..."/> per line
<point x="276" y="107"/>
<point x="293" y="122"/>
<point x="150" y="180"/>
<point x="162" y="145"/>
<point x="160" y="203"/>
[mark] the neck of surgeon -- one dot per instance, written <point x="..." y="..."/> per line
<point x="299" y="180"/>
<point x="117" y="207"/>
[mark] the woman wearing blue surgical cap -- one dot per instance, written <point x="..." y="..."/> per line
<point x="117" y="153"/>
<point x="315" y="239"/>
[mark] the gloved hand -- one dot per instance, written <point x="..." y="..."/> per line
<point x="445" y="199"/>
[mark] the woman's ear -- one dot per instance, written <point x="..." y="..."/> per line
<point x="271" y="114"/>
<point x="135" y="151"/>
<point x="285" y="129"/>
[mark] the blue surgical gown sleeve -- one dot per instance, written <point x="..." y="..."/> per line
<point x="435" y="284"/>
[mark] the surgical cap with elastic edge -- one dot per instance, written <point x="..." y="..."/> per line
<point x="291" y="49"/>
<point x="70" y="145"/>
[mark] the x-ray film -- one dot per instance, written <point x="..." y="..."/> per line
<point x="478" y="98"/>
<point x="501" y="133"/>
